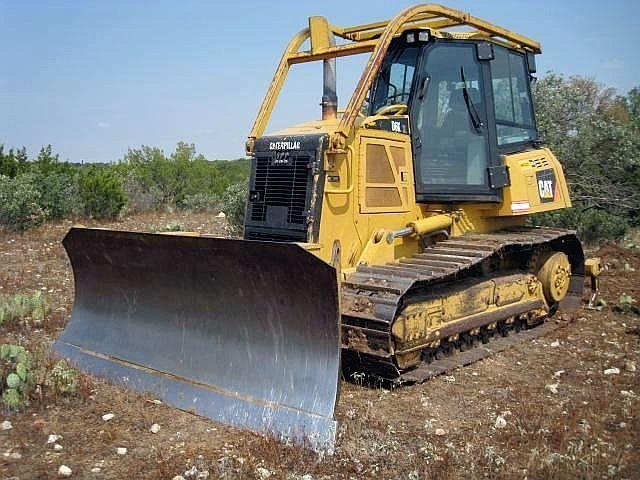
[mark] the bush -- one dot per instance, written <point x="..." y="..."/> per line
<point x="234" y="203"/>
<point x="62" y="379"/>
<point x="201" y="202"/>
<point x="15" y="375"/>
<point x="591" y="224"/>
<point x="60" y="194"/>
<point x="101" y="193"/>
<point x="20" y="202"/>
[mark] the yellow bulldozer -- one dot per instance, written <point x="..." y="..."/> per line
<point x="388" y="239"/>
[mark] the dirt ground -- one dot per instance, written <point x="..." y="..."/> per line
<point x="543" y="409"/>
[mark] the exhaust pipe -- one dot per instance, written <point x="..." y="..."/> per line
<point x="329" y="95"/>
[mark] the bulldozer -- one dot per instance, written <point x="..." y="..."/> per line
<point x="388" y="239"/>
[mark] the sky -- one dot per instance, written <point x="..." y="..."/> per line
<point x="95" y="78"/>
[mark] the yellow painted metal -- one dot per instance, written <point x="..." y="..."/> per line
<point x="422" y="323"/>
<point x="554" y="276"/>
<point x="431" y="224"/>
<point x="319" y="32"/>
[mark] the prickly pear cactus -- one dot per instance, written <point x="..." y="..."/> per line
<point x="15" y="375"/>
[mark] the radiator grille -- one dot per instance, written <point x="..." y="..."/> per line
<point x="281" y="185"/>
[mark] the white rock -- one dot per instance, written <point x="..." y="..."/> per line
<point x="53" y="438"/>
<point x="12" y="455"/>
<point x="64" y="471"/>
<point x="612" y="371"/>
<point x="627" y="393"/>
<point x="263" y="473"/>
<point x="221" y="215"/>
<point x="107" y="416"/>
<point x="629" y="366"/>
<point x="57" y="447"/>
<point x="552" y="387"/>
<point x="500" y="422"/>
<point x="6" y="425"/>
<point x="121" y="451"/>
<point x="555" y="344"/>
<point x="306" y="476"/>
<point x="96" y="470"/>
<point x="558" y="373"/>
<point x="440" y="432"/>
<point x="178" y="477"/>
<point x="155" y="428"/>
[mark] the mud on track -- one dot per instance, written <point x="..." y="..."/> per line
<point x="498" y="418"/>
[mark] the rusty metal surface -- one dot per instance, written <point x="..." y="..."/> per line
<point x="243" y="332"/>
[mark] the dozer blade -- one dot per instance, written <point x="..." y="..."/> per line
<point x="242" y="332"/>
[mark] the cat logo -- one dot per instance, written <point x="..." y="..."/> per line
<point x="395" y="126"/>
<point x="546" y="185"/>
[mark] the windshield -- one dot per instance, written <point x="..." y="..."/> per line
<point x="395" y="79"/>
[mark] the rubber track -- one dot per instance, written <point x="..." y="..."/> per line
<point x="373" y="296"/>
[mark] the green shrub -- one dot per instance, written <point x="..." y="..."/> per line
<point x="591" y="224"/>
<point x="234" y="203"/>
<point x="20" y="202"/>
<point x="59" y="194"/>
<point x="15" y="375"/>
<point x="62" y="379"/>
<point x="172" y="226"/>
<point x="201" y="202"/>
<point x="101" y="193"/>
<point x="22" y="306"/>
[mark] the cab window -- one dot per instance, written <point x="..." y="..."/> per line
<point x="512" y="98"/>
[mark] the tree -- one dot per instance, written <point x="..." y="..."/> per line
<point x="594" y="133"/>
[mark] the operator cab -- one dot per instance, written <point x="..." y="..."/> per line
<point x="469" y="102"/>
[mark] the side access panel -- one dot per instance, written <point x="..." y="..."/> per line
<point x="243" y="332"/>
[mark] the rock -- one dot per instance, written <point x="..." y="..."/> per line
<point x="96" y="470"/>
<point x="440" y="432"/>
<point x="221" y="215"/>
<point x="53" y="438"/>
<point x="306" y="476"/>
<point x="558" y="373"/>
<point x="500" y="422"/>
<point x="64" y="471"/>
<point x="555" y="344"/>
<point x="552" y="387"/>
<point x="178" y="477"/>
<point x="612" y="371"/>
<point x="155" y="428"/>
<point x="121" y="451"/>
<point x="263" y="473"/>
<point x="12" y="455"/>
<point x="629" y="366"/>
<point x="6" y="425"/>
<point x="57" y="447"/>
<point x="107" y="416"/>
